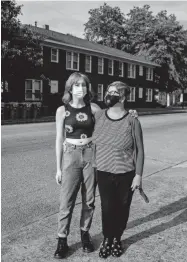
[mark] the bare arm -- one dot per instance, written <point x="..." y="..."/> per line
<point x="60" y="114"/>
<point x="95" y="108"/>
<point x="140" y="148"/>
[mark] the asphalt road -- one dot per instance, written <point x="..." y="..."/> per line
<point x="29" y="190"/>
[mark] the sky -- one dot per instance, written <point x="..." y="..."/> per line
<point x="70" y="16"/>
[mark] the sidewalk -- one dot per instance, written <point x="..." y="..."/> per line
<point x="156" y="231"/>
<point x="141" y="112"/>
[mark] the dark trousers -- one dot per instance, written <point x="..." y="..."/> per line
<point x="116" y="196"/>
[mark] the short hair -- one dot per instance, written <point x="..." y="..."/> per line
<point x="73" y="79"/>
<point x="123" y="88"/>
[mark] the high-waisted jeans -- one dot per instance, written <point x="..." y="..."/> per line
<point x="77" y="172"/>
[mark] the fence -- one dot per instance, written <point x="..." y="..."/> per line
<point x="15" y="111"/>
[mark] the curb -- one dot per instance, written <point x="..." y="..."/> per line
<point x="160" y="113"/>
<point x="52" y="118"/>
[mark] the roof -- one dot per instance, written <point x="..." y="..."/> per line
<point x="80" y="43"/>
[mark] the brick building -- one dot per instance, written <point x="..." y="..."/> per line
<point x="65" y="54"/>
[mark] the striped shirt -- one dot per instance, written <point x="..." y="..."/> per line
<point x="114" y="143"/>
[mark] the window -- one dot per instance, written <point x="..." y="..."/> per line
<point x="100" y="92"/>
<point x="121" y="69"/>
<point x="54" y="86"/>
<point x="149" y="95"/>
<point x="72" y="61"/>
<point x="131" y="71"/>
<point x="54" y="55"/>
<point x="140" y="70"/>
<point x="33" y="89"/>
<point x="88" y="63"/>
<point x="111" y="67"/>
<point x="149" y="74"/>
<point x="131" y="97"/>
<point x="140" y="92"/>
<point x="100" y="65"/>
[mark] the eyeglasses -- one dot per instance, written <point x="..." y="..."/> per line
<point x="113" y="93"/>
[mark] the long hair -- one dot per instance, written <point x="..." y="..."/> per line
<point x="73" y="79"/>
<point x="123" y="89"/>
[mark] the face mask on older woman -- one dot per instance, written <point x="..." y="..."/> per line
<point x="111" y="100"/>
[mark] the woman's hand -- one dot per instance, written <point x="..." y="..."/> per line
<point x="133" y="113"/>
<point x="59" y="177"/>
<point x="137" y="182"/>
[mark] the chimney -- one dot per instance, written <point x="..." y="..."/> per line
<point x="47" y="27"/>
<point x="35" y="23"/>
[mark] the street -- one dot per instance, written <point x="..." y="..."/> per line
<point x="29" y="191"/>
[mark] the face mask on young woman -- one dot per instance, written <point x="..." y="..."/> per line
<point x="111" y="100"/>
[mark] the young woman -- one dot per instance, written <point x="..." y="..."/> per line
<point x="74" y="154"/>
<point x="119" y="161"/>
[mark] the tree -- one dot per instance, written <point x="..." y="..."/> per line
<point x="138" y="24"/>
<point x="162" y="40"/>
<point x="105" y="26"/>
<point x="20" y="47"/>
<point x="159" y="38"/>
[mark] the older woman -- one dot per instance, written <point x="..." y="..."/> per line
<point x="119" y="159"/>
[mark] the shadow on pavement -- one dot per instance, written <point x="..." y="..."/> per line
<point x="155" y="230"/>
<point x="164" y="211"/>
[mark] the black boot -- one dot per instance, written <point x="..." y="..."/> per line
<point x="86" y="242"/>
<point x="105" y="248"/>
<point x="116" y="248"/>
<point x="62" y="248"/>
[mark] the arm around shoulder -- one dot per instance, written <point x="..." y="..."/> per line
<point x="95" y="108"/>
<point x="96" y="111"/>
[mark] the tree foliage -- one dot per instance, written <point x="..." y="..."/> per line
<point x="20" y="47"/>
<point x="102" y="21"/>
<point x="160" y="38"/>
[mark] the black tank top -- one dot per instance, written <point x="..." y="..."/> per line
<point x="79" y="122"/>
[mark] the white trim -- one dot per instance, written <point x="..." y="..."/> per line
<point x="102" y="59"/>
<point x="131" y="71"/>
<point x="149" y="74"/>
<point x="103" y="53"/>
<point x="110" y="60"/>
<point x="90" y="70"/>
<point x="140" y="92"/>
<point x="57" y="55"/>
<point x="101" y="86"/>
<point x="140" y="70"/>
<point x="121" y="69"/>
<point x="33" y="95"/>
<point x="132" y="95"/>
<point x="90" y="87"/>
<point x="149" y="95"/>
<point x="72" y="60"/>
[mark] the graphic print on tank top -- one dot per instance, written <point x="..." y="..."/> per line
<point x="79" y="122"/>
